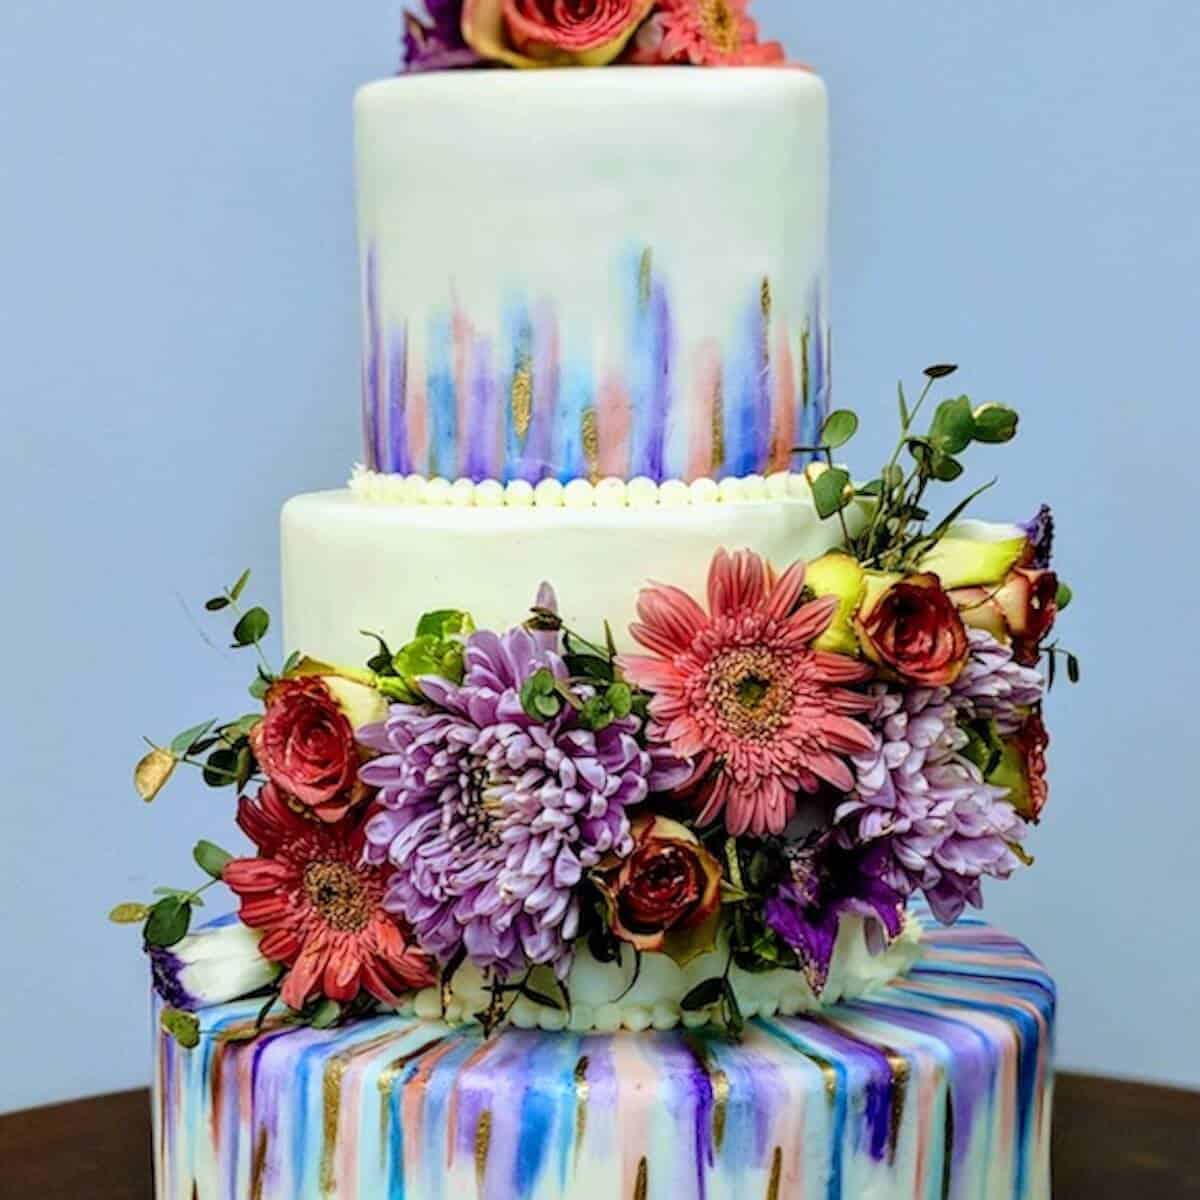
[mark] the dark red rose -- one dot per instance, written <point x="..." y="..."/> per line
<point x="1021" y="610"/>
<point x="912" y="628"/>
<point x="666" y="891"/>
<point x="305" y="744"/>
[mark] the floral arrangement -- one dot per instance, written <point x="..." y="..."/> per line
<point x="805" y="741"/>
<point x="587" y="33"/>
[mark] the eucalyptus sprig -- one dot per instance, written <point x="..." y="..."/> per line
<point x="166" y="921"/>
<point x="896" y="536"/>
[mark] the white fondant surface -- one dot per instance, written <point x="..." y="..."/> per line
<point x="610" y="996"/>
<point x="351" y="565"/>
<point x="592" y="241"/>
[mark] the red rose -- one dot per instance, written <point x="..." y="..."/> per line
<point x="305" y="744"/>
<point x="1020" y="611"/>
<point x="1022" y="767"/>
<point x="666" y="896"/>
<point x="912" y="627"/>
<point x="530" y="33"/>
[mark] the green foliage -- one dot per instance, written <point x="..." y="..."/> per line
<point x="211" y="859"/>
<point x="540" y="696"/>
<point x="445" y="624"/>
<point x="168" y="922"/>
<point x="129" y="913"/>
<point x="184" y="1027"/>
<point x="840" y="426"/>
<point x="829" y="491"/>
<point x="251" y="628"/>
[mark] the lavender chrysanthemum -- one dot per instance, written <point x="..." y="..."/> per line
<point x="944" y="826"/>
<point x="491" y="817"/>
<point x="994" y="686"/>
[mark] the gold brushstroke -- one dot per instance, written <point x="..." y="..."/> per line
<point x="765" y="299"/>
<point x="483" y="1147"/>
<point x="331" y="1114"/>
<point x="522" y="395"/>
<point x="641" y="1187"/>
<point x="805" y="368"/>
<point x="720" y="1090"/>
<point x="776" y="1180"/>
<point x="583" y="1092"/>
<point x="765" y="303"/>
<point x="900" y="1075"/>
<point x="645" y="277"/>
<point x="258" y="1165"/>
<point x="590" y="433"/>
<point x="718" y="425"/>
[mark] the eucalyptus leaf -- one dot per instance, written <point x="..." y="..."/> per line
<point x="905" y="415"/>
<point x="829" y="491"/>
<point x="995" y="424"/>
<point x="953" y="426"/>
<point x="217" y="604"/>
<point x="184" y="1027"/>
<point x="129" y="913"/>
<point x="168" y="922"/>
<point x="235" y="592"/>
<point x="220" y="768"/>
<point x="326" y="1015"/>
<point x="258" y="689"/>
<point x="244" y="771"/>
<point x="252" y="627"/>
<point x="445" y="623"/>
<point x="940" y="370"/>
<point x="704" y="995"/>
<point x="1073" y="670"/>
<point x="840" y="426"/>
<point x="211" y="859"/>
<point x="1063" y="597"/>
<point x="945" y="468"/>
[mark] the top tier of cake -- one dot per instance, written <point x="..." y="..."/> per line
<point x="587" y="274"/>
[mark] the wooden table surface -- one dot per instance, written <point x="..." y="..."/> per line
<point x="1113" y="1141"/>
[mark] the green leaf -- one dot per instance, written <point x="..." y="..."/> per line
<point x="129" y="913"/>
<point x="840" y="426"/>
<point x="217" y="603"/>
<point x="953" y="426"/>
<point x="244" y="771"/>
<point x="1063" y="597"/>
<point x="382" y="661"/>
<point x="732" y="1009"/>
<point x="940" y="370"/>
<point x="1051" y="669"/>
<point x="539" y="695"/>
<point x="703" y="995"/>
<point x="945" y="468"/>
<point x="872" y="488"/>
<point x="327" y="1014"/>
<point x="184" y="1027"/>
<point x="293" y="661"/>
<point x="905" y="415"/>
<point x="184" y="743"/>
<point x="259" y="688"/>
<point x="597" y="714"/>
<point x="168" y="922"/>
<point x="220" y="768"/>
<point x="539" y="998"/>
<point x="829" y="491"/>
<point x="211" y="859"/>
<point x="620" y="700"/>
<point x="235" y="592"/>
<point x="252" y="627"/>
<point x="1073" y="673"/>
<point x="588" y="666"/>
<point x="445" y="623"/>
<point x="994" y="424"/>
<point x="547" y="706"/>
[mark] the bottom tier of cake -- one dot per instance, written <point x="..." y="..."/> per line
<point x="936" y="1086"/>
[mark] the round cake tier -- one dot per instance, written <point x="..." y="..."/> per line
<point x="938" y="1086"/>
<point x="351" y="564"/>
<point x="575" y="274"/>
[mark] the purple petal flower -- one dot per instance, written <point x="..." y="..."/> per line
<point x="1041" y="537"/>
<point x="489" y="816"/>
<point x="437" y="43"/>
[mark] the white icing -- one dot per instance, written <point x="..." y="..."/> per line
<point x="607" y="997"/>
<point x="351" y="564"/>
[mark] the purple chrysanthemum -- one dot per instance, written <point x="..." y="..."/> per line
<point x="1041" y="537"/>
<point x="490" y="817"/>
<point x="994" y="686"/>
<point x="945" y="828"/>
<point x="437" y="44"/>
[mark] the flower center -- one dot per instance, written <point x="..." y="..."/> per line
<point x="481" y="809"/>
<point x="337" y="892"/>
<point x="747" y="693"/>
<point x="720" y="25"/>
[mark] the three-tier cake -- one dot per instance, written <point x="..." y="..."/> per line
<point x="616" y="810"/>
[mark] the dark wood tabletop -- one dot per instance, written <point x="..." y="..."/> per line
<point x="1113" y="1141"/>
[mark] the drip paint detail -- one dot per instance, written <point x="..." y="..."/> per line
<point x="936" y="1085"/>
<point x="516" y="395"/>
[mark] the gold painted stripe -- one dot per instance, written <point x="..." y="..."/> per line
<point x="641" y="1186"/>
<point x="483" y="1147"/>
<point x="776" y="1179"/>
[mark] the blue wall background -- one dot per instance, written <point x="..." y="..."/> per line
<point x="1017" y="189"/>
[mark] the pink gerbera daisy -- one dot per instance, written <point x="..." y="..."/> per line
<point x="703" y="33"/>
<point x="321" y="906"/>
<point x="741" y="690"/>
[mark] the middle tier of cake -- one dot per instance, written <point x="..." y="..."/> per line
<point x="354" y="562"/>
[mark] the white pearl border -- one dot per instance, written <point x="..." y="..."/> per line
<point x="580" y="494"/>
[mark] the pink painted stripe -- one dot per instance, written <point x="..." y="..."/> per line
<point x="706" y="371"/>
<point x="783" y="415"/>
<point x="614" y="419"/>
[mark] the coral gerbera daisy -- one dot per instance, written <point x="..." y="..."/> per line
<point x="703" y="33"/>
<point x="741" y="690"/>
<point x="321" y="907"/>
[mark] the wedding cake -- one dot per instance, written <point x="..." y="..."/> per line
<point x="612" y="822"/>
